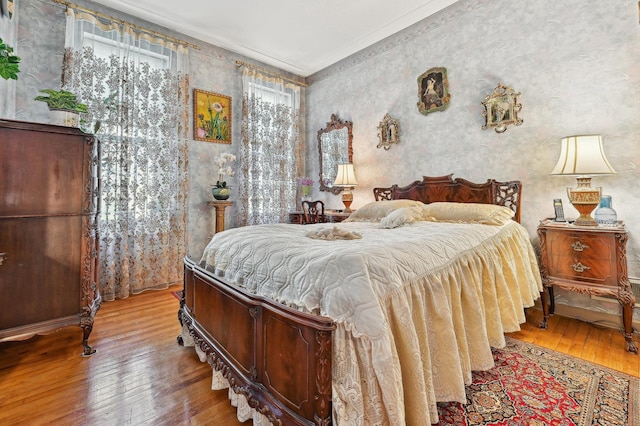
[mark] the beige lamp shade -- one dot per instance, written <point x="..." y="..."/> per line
<point x="346" y="178"/>
<point x="583" y="156"/>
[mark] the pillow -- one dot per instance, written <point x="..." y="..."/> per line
<point x="404" y="216"/>
<point x="376" y="210"/>
<point x="487" y="214"/>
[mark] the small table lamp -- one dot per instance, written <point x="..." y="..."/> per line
<point x="582" y="156"/>
<point x="346" y="178"/>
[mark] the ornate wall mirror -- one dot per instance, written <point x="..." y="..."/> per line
<point x="334" y="145"/>
<point x="501" y="109"/>
<point x="388" y="132"/>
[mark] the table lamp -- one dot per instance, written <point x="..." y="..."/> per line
<point x="346" y="178"/>
<point x="582" y="156"/>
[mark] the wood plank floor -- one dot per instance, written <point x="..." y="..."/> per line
<point x="141" y="376"/>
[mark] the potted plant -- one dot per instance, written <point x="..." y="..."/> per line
<point x="221" y="191"/>
<point x="9" y="67"/>
<point x="64" y="107"/>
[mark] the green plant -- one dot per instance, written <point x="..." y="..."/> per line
<point x="9" y="68"/>
<point x="61" y="99"/>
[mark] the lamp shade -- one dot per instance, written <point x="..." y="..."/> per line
<point x="582" y="156"/>
<point x="346" y="176"/>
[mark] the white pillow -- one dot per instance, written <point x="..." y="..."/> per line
<point x="405" y="216"/>
<point x="487" y="214"/>
<point x="376" y="210"/>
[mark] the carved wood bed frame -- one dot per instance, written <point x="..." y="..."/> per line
<point x="280" y="358"/>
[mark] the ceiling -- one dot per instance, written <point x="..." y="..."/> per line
<point x="298" y="36"/>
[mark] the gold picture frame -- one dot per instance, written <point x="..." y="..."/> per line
<point x="388" y="132"/>
<point x="433" y="91"/>
<point x="501" y="108"/>
<point x="211" y="117"/>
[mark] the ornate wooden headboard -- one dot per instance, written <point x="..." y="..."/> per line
<point x="445" y="188"/>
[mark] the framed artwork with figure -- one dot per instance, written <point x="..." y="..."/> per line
<point x="211" y="117"/>
<point x="433" y="90"/>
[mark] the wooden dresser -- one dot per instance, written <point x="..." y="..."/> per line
<point x="49" y="207"/>
<point x="589" y="260"/>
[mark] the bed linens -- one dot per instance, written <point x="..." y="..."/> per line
<point x="417" y="306"/>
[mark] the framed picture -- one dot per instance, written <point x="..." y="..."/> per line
<point x="501" y="108"/>
<point x="211" y="117"/>
<point x="433" y="91"/>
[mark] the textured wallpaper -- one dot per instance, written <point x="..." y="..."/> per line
<point x="576" y="63"/>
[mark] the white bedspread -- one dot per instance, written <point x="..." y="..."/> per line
<point x="417" y="307"/>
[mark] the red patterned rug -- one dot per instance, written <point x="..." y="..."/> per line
<point x="531" y="385"/>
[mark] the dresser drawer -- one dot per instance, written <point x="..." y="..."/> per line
<point x="582" y="257"/>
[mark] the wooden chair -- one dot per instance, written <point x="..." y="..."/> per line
<point x="313" y="212"/>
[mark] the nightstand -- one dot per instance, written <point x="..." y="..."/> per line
<point x="590" y="260"/>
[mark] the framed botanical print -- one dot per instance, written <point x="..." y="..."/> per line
<point x="211" y="117"/>
<point x="433" y="91"/>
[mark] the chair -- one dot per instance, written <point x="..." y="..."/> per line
<point x="313" y="212"/>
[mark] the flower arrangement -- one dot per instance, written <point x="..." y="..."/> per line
<point x="305" y="185"/>
<point x="224" y="168"/>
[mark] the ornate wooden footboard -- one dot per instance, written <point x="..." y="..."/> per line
<point x="277" y="357"/>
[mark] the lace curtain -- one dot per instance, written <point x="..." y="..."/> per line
<point x="136" y="88"/>
<point x="270" y="151"/>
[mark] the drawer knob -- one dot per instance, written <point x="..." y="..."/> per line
<point x="579" y="267"/>
<point x="3" y="257"/>
<point x="578" y="246"/>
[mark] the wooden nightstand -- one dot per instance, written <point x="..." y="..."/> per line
<point x="589" y="260"/>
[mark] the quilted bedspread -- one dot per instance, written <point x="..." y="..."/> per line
<point x="417" y="308"/>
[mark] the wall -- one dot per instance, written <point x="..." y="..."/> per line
<point x="40" y="44"/>
<point x="576" y="63"/>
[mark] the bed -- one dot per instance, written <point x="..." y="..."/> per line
<point x="370" y="321"/>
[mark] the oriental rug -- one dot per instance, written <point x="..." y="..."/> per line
<point x="531" y="385"/>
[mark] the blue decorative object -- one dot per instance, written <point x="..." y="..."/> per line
<point x="605" y="215"/>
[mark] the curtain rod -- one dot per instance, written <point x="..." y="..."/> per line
<point x="272" y="73"/>
<point x="121" y="21"/>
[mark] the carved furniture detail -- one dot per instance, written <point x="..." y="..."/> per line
<point x="49" y="181"/>
<point x="445" y="188"/>
<point x="335" y="147"/>
<point x="330" y="216"/>
<point x="313" y="212"/>
<point x="587" y="260"/>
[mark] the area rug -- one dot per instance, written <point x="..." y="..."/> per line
<point x="531" y="385"/>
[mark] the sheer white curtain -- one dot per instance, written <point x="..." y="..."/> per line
<point x="136" y="87"/>
<point x="270" y="151"/>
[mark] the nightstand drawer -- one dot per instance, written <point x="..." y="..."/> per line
<point x="582" y="257"/>
<point x="590" y="270"/>
<point x="593" y="246"/>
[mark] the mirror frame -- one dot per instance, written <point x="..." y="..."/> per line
<point x="335" y="124"/>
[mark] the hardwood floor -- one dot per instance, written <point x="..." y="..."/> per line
<point x="140" y="375"/>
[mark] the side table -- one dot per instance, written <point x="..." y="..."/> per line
<point x="220" y="206"/>
<point x="588" y="260"/>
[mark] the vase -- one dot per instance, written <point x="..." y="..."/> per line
<point x="63" y="117"/>
<point x="221" y="193"/>
<point x="605" y="215"/>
